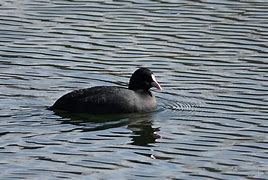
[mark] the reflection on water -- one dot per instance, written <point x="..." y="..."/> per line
<point x="210" y="57"/>
<point x="140" y="124"/>
<point x="143" y="132"/>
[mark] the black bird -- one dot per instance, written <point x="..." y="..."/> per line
<point x="111" y="99"/>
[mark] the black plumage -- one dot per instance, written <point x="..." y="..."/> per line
<point x="112" y="99"/>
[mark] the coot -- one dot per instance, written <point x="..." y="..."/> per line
<point x="111" y="99"/>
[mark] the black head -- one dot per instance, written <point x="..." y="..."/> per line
<point x="144" y="79"/>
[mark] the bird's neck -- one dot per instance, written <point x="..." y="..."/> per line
<point x="143" y="91"/>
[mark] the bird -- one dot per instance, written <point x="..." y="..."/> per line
<point x="137" y="98"/>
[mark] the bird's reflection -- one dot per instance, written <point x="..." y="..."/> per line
<point x="141" y="125"/>
<point x="143" y="133"/>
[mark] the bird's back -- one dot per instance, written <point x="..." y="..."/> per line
<point x="99" y="100"/>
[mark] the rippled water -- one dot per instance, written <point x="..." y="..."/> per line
<point x="211" y="58"/>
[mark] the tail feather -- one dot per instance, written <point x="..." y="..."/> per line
<point x="50" y="108"/>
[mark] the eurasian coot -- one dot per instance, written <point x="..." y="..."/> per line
<point x="111" y="99"/>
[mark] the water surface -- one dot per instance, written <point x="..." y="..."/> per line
<point x="210" y="57"/>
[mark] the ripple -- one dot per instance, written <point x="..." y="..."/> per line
<point x="210" y="58"/>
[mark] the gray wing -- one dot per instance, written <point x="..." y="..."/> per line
<point x="97" y="100"/>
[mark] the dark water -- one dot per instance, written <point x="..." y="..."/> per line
<point x="211" y="58"/>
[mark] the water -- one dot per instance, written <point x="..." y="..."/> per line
<point x="209" y="56"/>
